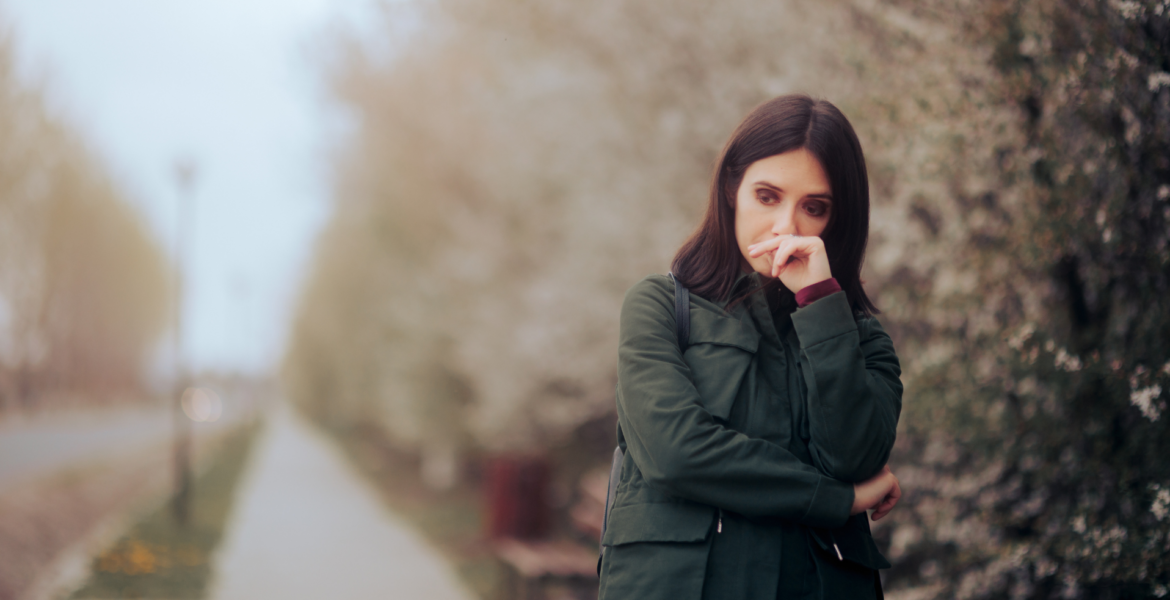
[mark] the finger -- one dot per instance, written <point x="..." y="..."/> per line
<point x="800" y="246"/>
<point x="784" y="253"/>
<point x="890" y="500"/>
<point x="764" y="247"/>
<point x="770" y="244"/>
<point x="887" y="504"/>
<point x="894" y="494"/>
<point x="884" y="507"/>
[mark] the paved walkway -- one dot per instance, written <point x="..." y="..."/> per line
<point x="307" y="526"/>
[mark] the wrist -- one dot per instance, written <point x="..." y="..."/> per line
<point x="859" y="506"/>
<point x="813" y="292"/>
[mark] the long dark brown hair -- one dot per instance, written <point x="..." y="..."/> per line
<point x="710" y="261"/>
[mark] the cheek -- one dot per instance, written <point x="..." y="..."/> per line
<point x="742" y="233"/>
<point x="748" y="222"/>
<point x="742" y="238"/>
<point x="812" y="226"/>
<point x="745" y="237"/>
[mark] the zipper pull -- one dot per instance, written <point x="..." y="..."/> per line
<point x="839" y="557"/>
<point x="719" y="525"/>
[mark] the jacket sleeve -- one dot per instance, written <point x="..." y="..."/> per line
<point x="680" y="448"/>
<point x="854" y="391"/>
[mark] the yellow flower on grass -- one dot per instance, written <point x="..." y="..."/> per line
<point x="134" y="557"/>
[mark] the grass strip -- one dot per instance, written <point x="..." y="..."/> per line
<point x="160" y="558"/>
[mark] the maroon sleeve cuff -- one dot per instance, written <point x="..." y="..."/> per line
<point x="816" y="291"/>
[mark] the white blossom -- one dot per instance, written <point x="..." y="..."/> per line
<point x="1144" y="400"/>
<point x="1067" y="362"/>
<point x="1128" y="8"/>
<point x="1016" y="342"/>
<point x="1158" y="80"/>
<point x="1161" y="504"/>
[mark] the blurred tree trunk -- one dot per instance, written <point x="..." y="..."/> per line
<point x="83" y="288"/>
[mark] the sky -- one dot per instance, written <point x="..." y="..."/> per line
<point x="234" y="87"/>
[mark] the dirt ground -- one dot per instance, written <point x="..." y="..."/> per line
<point x="43" y="523"/>
<point x="58" y="509"/>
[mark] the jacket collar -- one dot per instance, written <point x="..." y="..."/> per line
<point x="746" y="280"/>
<point x="767" y="315"/>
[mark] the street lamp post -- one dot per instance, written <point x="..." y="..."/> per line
<point x="185" y="173"/>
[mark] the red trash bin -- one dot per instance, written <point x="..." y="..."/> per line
<point x="517" y="495"/>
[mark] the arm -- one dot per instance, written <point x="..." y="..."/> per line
<point x="854" y="390"/>
<point x="680" y="448"/>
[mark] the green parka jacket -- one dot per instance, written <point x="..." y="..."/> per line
<point x="740" y="454"/>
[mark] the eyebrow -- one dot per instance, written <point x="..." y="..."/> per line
<point x="825" y="196"/>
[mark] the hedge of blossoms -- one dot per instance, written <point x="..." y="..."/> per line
<point x="515" y="167"/>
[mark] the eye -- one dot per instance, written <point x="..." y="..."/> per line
<point x="816" y="208"/>
<point x="766" y="196"/>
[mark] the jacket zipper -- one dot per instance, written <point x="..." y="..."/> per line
<point x="794" y="358"/>
<point x="719" y="524"/>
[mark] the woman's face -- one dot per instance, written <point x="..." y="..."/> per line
<point x="780" y="195"/>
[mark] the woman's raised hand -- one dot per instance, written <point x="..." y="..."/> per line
<point x="798" y="261"/>
<point x="880" y="492"/>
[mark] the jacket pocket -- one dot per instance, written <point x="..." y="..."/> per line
<point x="656" y="551"/>
<point x="720" y="354"/>
<point x="852" y="542"/>
<point x="658" y="522"/>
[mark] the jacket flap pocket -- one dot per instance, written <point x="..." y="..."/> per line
<point x="709" y="327"/>
<point x="718" y="372"/>
<point x="658" y="522"/>
<point x="854" y="542"/>
<point x="720" y="353"/>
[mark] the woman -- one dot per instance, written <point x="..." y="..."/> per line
<point x="752" y="456"/>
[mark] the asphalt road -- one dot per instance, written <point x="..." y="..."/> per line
<point x="42" y="445"/>
<point x="39" y="446"/>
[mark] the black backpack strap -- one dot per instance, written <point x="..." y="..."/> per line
<point x="682" y="313"/>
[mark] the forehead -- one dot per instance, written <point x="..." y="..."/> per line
<point x="794" y="169"/>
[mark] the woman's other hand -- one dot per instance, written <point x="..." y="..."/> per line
<point x="880" y="492"/>
<point x="798" y="261"/>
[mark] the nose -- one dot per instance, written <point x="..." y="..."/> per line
<point x="784" y="220"/>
